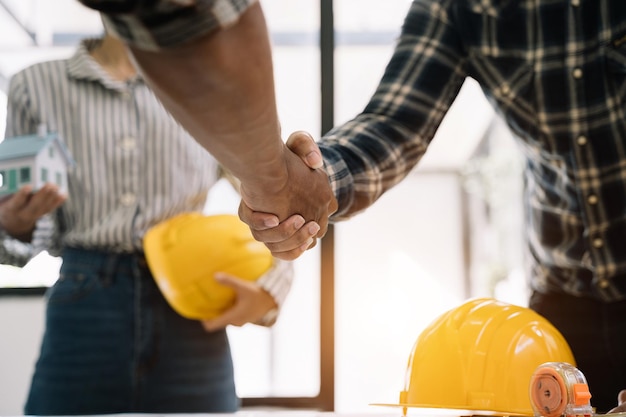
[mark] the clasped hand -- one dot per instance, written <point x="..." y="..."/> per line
<point x="301" y="209"/>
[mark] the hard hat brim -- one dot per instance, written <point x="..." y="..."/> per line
<point x="433" y="410"/>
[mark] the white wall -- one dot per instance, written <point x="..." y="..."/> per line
<point x="21" y="327"/>
<point x="398" y="266"/>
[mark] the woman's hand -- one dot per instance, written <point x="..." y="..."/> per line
<point x="19" y="213"/>
<point x="252" y="303"/>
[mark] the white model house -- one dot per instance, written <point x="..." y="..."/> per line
<point x="35" y="160"/>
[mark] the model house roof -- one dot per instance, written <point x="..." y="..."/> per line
<point x="30" y="145"/>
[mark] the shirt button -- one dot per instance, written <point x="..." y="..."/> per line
<point x="577" y="73"/>
<point x="128" y="199"/>
<point x="505" y="89"/>
<point x="603" y="283"/>
<point x="125" y="95"/>
<point x="592" y="199"/>
<point x="128" y="144"/>
<point x="582" y="140"/>
<point x="575" y="3"/>
<point x="598" y="243"/>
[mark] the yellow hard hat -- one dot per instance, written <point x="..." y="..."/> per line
<point x="185" y="251"/>
<point x="479" y="357"/>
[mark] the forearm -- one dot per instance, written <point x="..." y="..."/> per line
<point x="220" y="88"/>
<point x="216" y="79"/>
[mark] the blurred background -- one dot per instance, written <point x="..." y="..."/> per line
<point x="450" y="231"/>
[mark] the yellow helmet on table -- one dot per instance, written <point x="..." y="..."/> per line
<point x="479" y="357"/>
<point x="185" y="251"/>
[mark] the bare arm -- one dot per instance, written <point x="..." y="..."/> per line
<point x="220" y="88"/>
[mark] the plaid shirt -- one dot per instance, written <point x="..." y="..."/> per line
<point x="159" y="24"/>
<point x="556" y="71"/>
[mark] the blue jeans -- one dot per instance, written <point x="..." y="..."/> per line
<point x="112" y="344"/>
<point x="595" y="332"/>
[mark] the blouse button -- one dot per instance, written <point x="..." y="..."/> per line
<point x="582" y="140"/>
<point x="128" y="143"/>
<point x="128" y="199"/>
<point x="598" y="243"/>
<point x="577" y="73"/>
<point x="592" y="199"/>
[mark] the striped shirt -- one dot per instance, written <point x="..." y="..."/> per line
<point x="135" y="166"/>
<point x="556" y="71"/>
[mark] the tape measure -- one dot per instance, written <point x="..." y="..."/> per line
<point x="560" y="389"/>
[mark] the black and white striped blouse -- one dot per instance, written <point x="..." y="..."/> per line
<point x="135" y="166"/>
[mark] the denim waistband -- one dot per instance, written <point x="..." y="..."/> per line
<point x="101" y="259"/>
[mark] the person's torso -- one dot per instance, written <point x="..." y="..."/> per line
<point x="556" y="70"/>
<point x="135" y="166"/>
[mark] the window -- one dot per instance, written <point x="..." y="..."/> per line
<point x="44" y="174"/>
<point x="396" y="266"/>
<point x="24" y="175"/>
<point x="2" y="180"/>
<point x="407" y="258"/>
<point x="51" y="152"/>
<point x="285" y="368"/>
<point x="59" y="179"/>
<point x="9" y="180"/>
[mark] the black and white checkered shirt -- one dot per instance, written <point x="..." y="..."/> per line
<point x="556" y="71"/>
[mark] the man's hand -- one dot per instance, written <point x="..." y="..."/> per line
<point x="20" y="212"/>
<point x="621" y="403"/>
<point x="304" y="204"/>
<point x="252" y="303"/>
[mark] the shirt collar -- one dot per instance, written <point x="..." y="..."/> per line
<point x="82" y="66"/>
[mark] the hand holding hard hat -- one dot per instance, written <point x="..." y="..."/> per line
<point x="252" y="303"/>
<point x="185" y="252"/>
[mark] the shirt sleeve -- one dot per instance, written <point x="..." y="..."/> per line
<point x="21" y="121"/>
<point x="12" y="251"/>
<point x="371" y="153"/>
<point x="154" y="25"/>
<point x="277" y="281"/>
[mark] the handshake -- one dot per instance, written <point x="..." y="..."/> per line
<point x="292" y="212"/>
